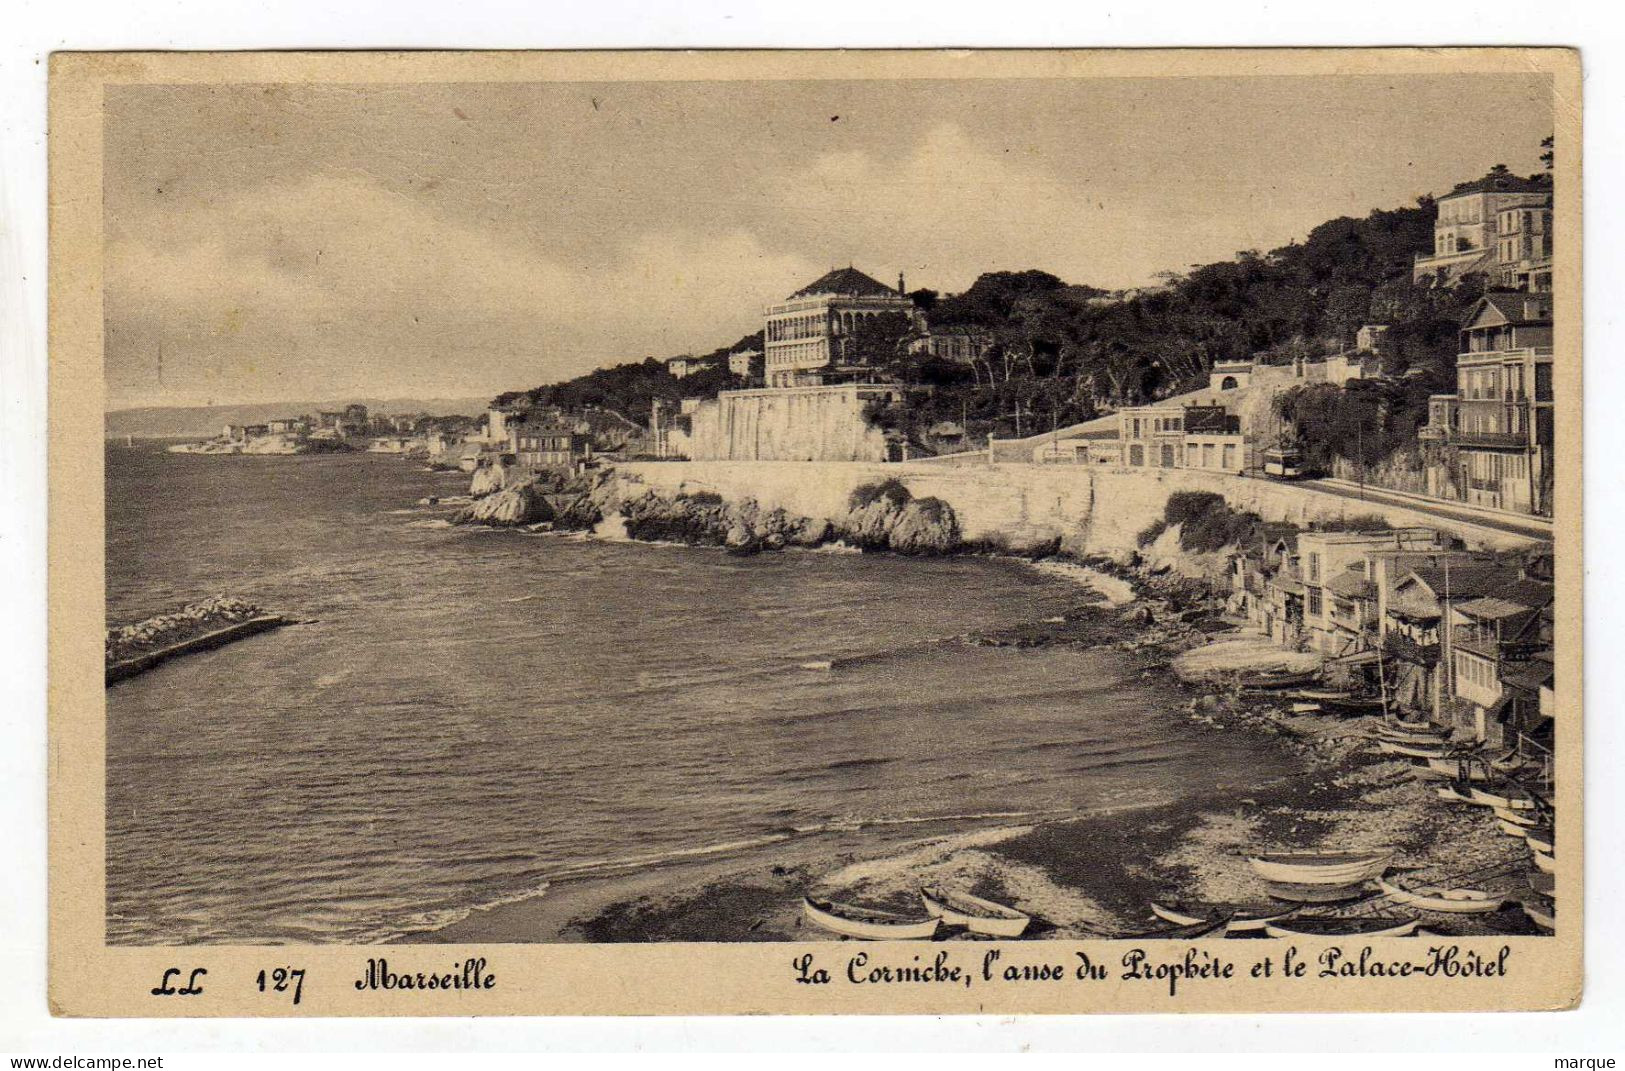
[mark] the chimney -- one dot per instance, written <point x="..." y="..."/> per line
<point x="901" y="289"/>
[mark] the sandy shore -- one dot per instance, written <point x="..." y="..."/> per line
<point x="1092" y="875"/>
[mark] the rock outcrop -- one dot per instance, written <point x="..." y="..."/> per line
<point x="488" y="480"/>
<point x="509" y="507"/>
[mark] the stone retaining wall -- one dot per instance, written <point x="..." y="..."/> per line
<point x="1089" y="510"/>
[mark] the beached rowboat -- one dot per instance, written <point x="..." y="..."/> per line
<point x="1496" y="799"/>
<point x="1520" y="818"/>
<point x="1192" y="932"/>
<point x="1454" y="794"/>
<point x="1274" y="682"/>
<point x="1459" y="769"/>
<point x="867" y="923"/>
<point x="1413" y="751"/>
<point x="1294" y="893"/>
<point x="1175" y="914"/>
<point x="1319" y="868"/>
<point x="1436" y="898"/>
<point x="974" y="913"/>
<point x="1541" y="840"/>
<point x="1248" y="919"/>
<point x="1545" y="862"/>
<point x="1333" y="926"/>
<point x="1513" y="829"/>
<point x="1542" y="913"/>
<point x="1545" y="884"/>
<point x="1403" y="731"/>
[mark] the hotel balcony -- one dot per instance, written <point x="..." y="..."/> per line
<point x="1514" y="353"/>
<point x="1491" y="440"/>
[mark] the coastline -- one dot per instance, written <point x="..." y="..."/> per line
<point x="1090" y="876"/>
<point x="1079" y="876"/>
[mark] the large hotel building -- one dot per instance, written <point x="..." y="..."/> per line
<point x="808" y="337"/>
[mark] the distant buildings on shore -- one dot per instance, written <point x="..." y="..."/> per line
<point x="1460" y="636"/>
<point x="1490" y="443"/>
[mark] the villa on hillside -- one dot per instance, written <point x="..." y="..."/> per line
<point x="1490" y="443"/>
<point x="808" y="339"/>
<point x="1466" y="230"/>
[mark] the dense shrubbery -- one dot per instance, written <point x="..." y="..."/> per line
<point x="1362" y="522"/>
<point x="891" y="489"/>
<point x="1206" y="523"/>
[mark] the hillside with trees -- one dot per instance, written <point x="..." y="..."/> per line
<point x="1063" y="352"/>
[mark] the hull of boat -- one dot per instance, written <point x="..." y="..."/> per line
<point x="1546" y="862"/>
<point x="1453" y="901"/>
<point x="1457" y="769"/>
<point x="1411" y="734"/>
<point x="1174" y="916"/>
<point x="1495" y="799"/>
<point x="1318" y="870"/>
<point x="1340" y="928"/>
<point x="975" y="914"/>
<point x="1294" y="893"/>
<point x="1277" y="682"/>
<point x="1412" y="751"/>
<point x="1454" y="795"/>
<point x="1542" y="915"/>
<point x="1542" y="841"/>
<point x="866" y="926"/>
<point x="1521" y="818"/>
<point x="1513" y="829"/>
<point x="1545" y="884"/>
<point x="1257" y="923"/>
<point x="1185" y="933"/>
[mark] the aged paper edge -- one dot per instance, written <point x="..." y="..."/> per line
<point x="88" y="978"/>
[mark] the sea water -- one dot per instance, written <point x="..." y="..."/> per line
<point x="474" y="713"/>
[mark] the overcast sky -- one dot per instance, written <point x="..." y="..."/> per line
<point x="297" y="242"/>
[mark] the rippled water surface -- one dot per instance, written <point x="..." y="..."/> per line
<point x="475" y="712"/>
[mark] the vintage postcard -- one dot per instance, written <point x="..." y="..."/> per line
<point x="814" y="532"/>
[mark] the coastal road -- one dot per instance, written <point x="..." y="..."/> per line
<point x="1533" y="527"/>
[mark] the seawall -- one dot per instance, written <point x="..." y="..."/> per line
<point x="1090" y="511"/>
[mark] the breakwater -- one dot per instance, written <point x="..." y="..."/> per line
<point x="134" y="649"/>
<point x="1026" y="508"/>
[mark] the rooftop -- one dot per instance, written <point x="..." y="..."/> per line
<point x="1513" y="306"/>
<point x="848" y="282"/>
<point x="1465" y="581"/>
<point x="1494" y="183"/>
<point x="1489" y="608"/>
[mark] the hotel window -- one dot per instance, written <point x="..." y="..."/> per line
<point x="1314" y="566"/>
<point x="1314" y="602"/>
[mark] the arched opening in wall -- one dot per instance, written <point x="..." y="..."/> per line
<point x="1228" y="383"/>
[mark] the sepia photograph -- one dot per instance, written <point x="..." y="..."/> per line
<point x="755" y="502"/>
